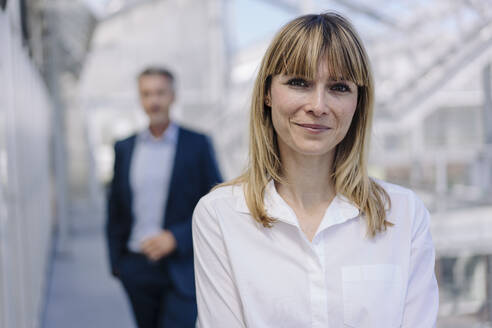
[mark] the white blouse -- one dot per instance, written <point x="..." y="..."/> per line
<point x="251" y="276"/>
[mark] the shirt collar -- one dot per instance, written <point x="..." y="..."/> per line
<point x="170" y="135"/>
<point x="339" y="211"/>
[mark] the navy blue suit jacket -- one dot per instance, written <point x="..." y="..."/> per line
<point x="194" y="172"/>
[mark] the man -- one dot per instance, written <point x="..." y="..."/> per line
<point x="159" y="176"/>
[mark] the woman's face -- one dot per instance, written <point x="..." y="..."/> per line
<point x="311" y="117"/>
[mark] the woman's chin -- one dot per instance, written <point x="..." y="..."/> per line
<point x="313" y="151"/>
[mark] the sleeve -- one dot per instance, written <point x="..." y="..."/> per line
<point x="209" y="177"/>
<point x="422" y="298"/>
<point x="182" y="234"/>
<point x="218" y="300"/>
<point x="211" y="172"/>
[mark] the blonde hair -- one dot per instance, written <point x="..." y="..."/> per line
<point x="296" y="50"/>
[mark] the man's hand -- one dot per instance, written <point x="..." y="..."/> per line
<point x="159" y="246"/>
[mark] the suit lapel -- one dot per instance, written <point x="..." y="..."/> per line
<point x="127" y="162"/>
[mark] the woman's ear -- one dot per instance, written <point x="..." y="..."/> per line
<point x="268" y="100"/>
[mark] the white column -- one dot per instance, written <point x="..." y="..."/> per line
<point x="53" y="59"/>
<point x="441" y="181"/>
<point x="487" y="126"/>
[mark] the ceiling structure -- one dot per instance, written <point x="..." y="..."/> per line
<point x="425" y="55"/>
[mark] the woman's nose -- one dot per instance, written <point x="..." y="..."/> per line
<point x="319" y="102"/>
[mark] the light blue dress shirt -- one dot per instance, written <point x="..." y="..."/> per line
<point x="150" y="176"/>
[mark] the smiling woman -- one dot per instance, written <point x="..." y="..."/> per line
<point x="305" y="238"/>
<point x="311" y="117"/>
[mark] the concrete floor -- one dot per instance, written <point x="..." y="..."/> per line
<point x="81" y="292"/>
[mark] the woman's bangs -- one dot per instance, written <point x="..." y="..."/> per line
<point x="305" y="48"/>
<point x="302" y="54"/>
<point x="345" y="61"/>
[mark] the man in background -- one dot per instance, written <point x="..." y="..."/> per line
<point x="159" y="176"/>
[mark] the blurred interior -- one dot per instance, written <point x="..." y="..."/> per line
<point x="68" y="91"/>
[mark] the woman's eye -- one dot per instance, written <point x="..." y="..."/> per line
<point x="340" y="87"/>
<point x="297" y="82"/>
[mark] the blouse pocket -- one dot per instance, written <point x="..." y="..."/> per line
<point x="372" y="296"/>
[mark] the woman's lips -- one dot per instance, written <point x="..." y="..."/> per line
<point x="313" y="127"/>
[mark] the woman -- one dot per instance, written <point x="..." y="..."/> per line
<point x="304" y="238"/>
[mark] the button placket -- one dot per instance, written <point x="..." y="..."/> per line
<point x="317" y="283"/>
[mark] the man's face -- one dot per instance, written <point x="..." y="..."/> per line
<point x="156" y="97"/>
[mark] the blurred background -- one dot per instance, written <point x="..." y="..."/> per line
<point x="68" y="91"/>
